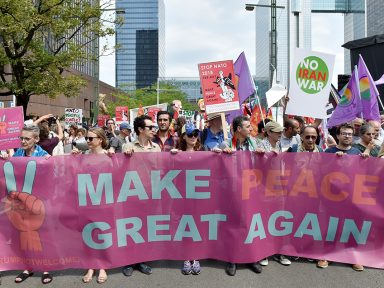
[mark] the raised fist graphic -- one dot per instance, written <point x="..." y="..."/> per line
<point x="25" y="211"/>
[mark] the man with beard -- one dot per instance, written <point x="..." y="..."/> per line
<point x="290" y="135"/>
<point x="241" y="141"/>
<point x="344" y="134"/>
<point x="144" y="129"/>
<point x="163" y="137"/>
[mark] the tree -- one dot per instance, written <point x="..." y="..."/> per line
<point x="148" y="96"/>
<point x="40" y="43"/>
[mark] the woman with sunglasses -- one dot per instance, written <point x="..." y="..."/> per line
<point x="97" y="142"/>
<point x="189" y="141"/>
<point x="367" y="141"/>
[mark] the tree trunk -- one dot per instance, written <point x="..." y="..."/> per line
<point x="22" y="100"/>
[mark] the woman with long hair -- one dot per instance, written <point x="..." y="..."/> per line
<point x="367" y="141"/>
<point x="72" y="134"/>
<point x="189" y="141"/>
<point x="97" y="143"/>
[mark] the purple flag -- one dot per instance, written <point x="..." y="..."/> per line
<point x="368" y="92"/>
<point x="349" y="106"/>
<point x="245" y="87"/>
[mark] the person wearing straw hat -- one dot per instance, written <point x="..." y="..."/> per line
<point x="271" y="143"/>
<point x="213" y="136"/>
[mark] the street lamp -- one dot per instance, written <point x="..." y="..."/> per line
<point x="96" y="76"/>
<point x="273" y="38"/>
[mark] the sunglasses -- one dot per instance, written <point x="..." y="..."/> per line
<point x="90" y="139"/>
<point x="150" y="127"/>
<point x="310" y="137"/>
<point x="25" y="138"/>
<point x="194" y="134"/>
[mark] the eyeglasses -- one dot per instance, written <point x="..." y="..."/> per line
<point x="310" y="137"/>
<point x="25" y="138"/>
<point x="150" y="127"/>
<point x="90" y="139"/>
<point x="345" y="134"/>
<point x="193" y="134"/>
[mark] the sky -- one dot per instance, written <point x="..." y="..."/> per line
<point x="202" y="31"/>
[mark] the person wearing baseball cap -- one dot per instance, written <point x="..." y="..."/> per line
<point x="189" y="141"/>
<point x="116" y="143"/>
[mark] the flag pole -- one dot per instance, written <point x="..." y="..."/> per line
<point x="381" y="103"/>
<point x="261" y="110"/>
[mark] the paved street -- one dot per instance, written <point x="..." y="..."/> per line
<point x="167" y="274"/>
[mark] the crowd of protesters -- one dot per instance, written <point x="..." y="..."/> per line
<point x="46" y="137"/>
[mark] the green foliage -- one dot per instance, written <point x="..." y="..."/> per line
<point x="40" y="43"/>
<point x="148" y="96"/>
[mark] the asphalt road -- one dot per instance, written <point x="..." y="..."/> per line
<point x="167" y="274"/>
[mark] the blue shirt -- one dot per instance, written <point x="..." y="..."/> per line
<point x="38" y="152"/>
<point x="213" y="140"/>
<point x="351" y="151"/>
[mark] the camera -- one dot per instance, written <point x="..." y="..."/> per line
<point x="51" y="120"/>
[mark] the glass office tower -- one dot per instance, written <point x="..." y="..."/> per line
<point x="374" y="17"/>
<point x="140" y="57"/>
<point x="293" y="27"/>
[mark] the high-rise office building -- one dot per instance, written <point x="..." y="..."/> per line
<point x="374" y="17"/>
<point x="140" y="57"/>
<point x="293" y="26"/>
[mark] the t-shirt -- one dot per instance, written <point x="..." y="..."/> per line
<point x="49" y="144"/>
<point x="351" y="151"/>
<point x="286" y="142"/>
<point x="374" y="152"/>
<point x="38" y="152"/>
<point x="117" y="143"/>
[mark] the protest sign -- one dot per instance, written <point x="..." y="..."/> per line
<point x="219" y="86"/>
<point x="73" y="116"/>
<point x="161" y="206"/>
<point x="121" y="113"/>
<point x="151" y="111"/>
<point x="310" y="84"/>
<point x="11" y="123"/>
<point x="101" y="120"/>
<point x="188" y="115"/>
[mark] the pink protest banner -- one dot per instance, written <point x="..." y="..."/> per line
<point x="11" y="122"/>
<point x="218" y="86"/>
<point x="95" y="211"/>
